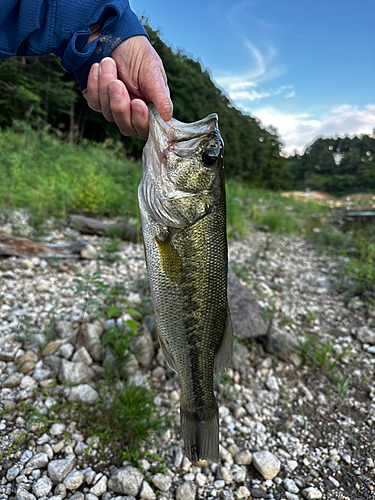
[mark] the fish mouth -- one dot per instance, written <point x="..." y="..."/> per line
<point x="190" y="134"/>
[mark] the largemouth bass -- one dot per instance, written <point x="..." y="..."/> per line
<point x="182" y="207"/>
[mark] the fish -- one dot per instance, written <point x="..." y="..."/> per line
<point x="183" y="217"/>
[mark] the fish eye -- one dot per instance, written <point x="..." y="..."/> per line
<point x="209" y="157"/>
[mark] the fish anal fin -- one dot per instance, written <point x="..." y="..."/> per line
<point x="224" y="354"/>
<point x="170" y="261"/>
<point x="168" y="358"/>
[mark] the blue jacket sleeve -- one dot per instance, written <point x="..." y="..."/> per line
<point x="62" y="27"/>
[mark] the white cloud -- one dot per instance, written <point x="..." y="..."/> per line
<point x="300" y="129"/>
<point x="254" y="95"/>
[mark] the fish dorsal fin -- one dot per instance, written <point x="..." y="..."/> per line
<point x="168" y="358"/>
<point x="224" y="354"/>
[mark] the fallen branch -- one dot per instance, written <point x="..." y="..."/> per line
<point x="86" y="225"/>
<point x="9" y="245"/>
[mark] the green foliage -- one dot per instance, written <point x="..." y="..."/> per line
<point x="336" y="165"/>
<point x="320" y="353"/>
<point x="51" y="177"/>
<point x="361" y="270"/>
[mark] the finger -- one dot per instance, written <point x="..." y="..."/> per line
<point x="139" y="116"/>
<point x="107" y="72"/>
<point x="92" y="91"/>
<point x="121" y="108"/>
<point x="158" y="93"/>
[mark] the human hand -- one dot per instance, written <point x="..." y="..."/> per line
<point x="120" y="86"/>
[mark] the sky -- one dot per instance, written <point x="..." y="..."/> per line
<point x="305" y="67"/>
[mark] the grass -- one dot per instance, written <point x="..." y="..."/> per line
<point x="50" y="177"/>
<point x="265" y="208"/>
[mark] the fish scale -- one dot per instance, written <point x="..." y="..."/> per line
<point x="182" y="208"/>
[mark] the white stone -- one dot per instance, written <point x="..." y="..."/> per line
<point x="73" y="480"/>
<point x="366" y="336"/>
<point x="83" y="393"/>
<point x="100" y="487"/>
<point x="42" y="487"/>
<point x="312" y="493"/>
<point x="38" y="461"/>
<point x="266" y="463"/>
<point x="127" y="480"/>
<point x="243" y="492"/>
<point x="59" y="469"/>
<point x="187" y="491"/>
<point x="162" y="481"/>
<point x="290" y="485"/>
<point x="147" y="493"/>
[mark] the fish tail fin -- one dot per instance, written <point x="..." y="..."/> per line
<point x="201" y="437"/>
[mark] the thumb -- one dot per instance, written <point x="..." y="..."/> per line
<point x="157" y="92"/>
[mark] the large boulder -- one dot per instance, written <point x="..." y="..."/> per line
<point x="247" y="316"/>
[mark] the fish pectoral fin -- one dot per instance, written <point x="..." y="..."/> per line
<point x="224" y="354"/>
<point x="168" y="358"/>
<point x="170" y="261"/>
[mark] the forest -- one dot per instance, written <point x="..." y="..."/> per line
<point x="38" y="92"/>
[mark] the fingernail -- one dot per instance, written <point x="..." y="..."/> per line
<point x="95" y="70"/>
<point x="115" y="89"/>
<point x="107" y="67"/>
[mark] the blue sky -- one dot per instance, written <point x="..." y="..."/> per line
<point x="307" y="68"/>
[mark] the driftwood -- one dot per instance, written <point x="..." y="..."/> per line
<point x="86" y="225"/>
<point x="9" y="245"/>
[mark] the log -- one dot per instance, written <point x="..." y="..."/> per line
<point x="10" y="245"/>
<point x="87" y="225"/>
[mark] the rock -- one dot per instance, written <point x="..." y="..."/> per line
<point x="83" y="393"/>
<point x="247" y="316"/>
<point x="27" y="381"/>
<point x="73" y="480"/>
<point x="186" y="491"/>
<point x="60" y="489"/>
<point x="100" y="487"/>
<point x="12" y="473"/>
<point x="240" y="357"/>
<point x="257" y="492"/>
<point x="162" y="481"/>
<point x="127" y="480"/>
<point x="43" y="286"/>
<point x="290" y="485"/>
<point x="292" y="464"/>
<point x="266" y="464"/>
<point x="13" y="380"/>
<point x="63" y="329"/>
<point x="8" y="349"/>
<point x="239" y="476"/>
<point x="77" y="496"/>
<point x="291" y="496"/>
<point x="59" y="469"/>
<point x="366" y="336"/>
<point x="42" y="487"/>
<point x="82" y="356"/>
<point x="42" y="374"/>
<point x="89" y="252"/>
<point x="147" y="493"/>
<point x="23" y="494"/>
<point x="243" y="457"/>
<point x="89" y="336"/>
<point x="38" y="461"/>
<point x="54" y="362"/>
<point x="243" y="492"/>
<point x="200" y="479"/>
<point x="74" y="373"/>
<point x="143" y="347"/>
<point x="272" y="384"/>
<point x="280" y="343"/>
<point x="65" y="351"/>
<point x="57" y="429"/>
<point x="311" y="493"/>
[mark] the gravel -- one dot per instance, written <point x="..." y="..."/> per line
<point x="286" y="431"/>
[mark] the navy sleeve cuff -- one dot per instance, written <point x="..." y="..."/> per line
<point x="118" y="24"/>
